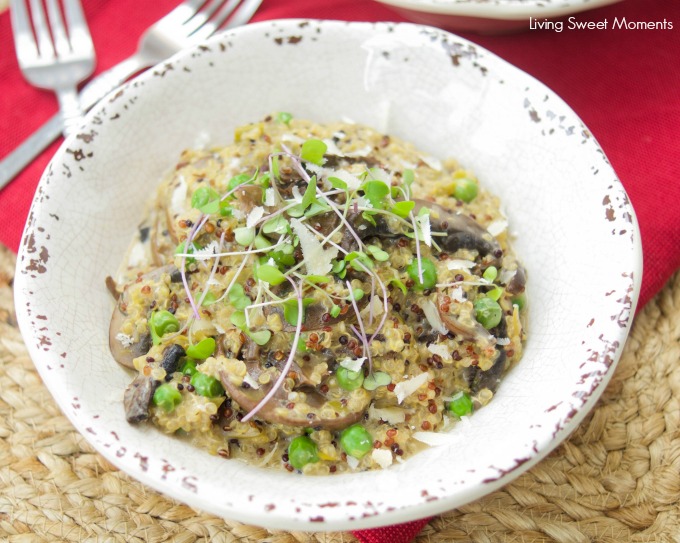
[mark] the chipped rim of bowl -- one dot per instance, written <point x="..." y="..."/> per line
<point x="399" y="503"/>
<point x="499" y="9"/>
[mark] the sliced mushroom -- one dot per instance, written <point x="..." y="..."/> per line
<point x="464" y="326"/>
<point x="478" y="379"/>
<point x="277" y="409"/>
<point x="138" y="396"/>
<point x="125" y="352"/>
<point x="248" y="197"/>
<point x="171" y="358"/>
<point x="517" y="284"/>
<point x="462" y="232"/>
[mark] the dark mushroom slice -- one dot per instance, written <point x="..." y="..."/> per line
<point x="278" y="408"/>
<point x="364" y="230"/>
<point x="462" y="232"/>
<point x="171" y="358"/>
<point x="138" y="396"/>
<point x="518" y="282"/>
<point x="470" y="331"/>
<point x="248" y="197"/>
<point x="478" y="379"/>
<point x="125" y="354"/>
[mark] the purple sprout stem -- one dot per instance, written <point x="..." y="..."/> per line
<point x="289" y="362"/>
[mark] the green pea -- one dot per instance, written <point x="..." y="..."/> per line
<point x="429" y="273"/>
<point x="203" y="349"/>
<point x="356" y="441"/>
<point x="466" y="190"/>
<point x="461" y="404"/>
<point x="520" y="301"/>
<point x="167" y="397"/>
<point x="206" y="385"/>
<point x="302" y="451"/>
<point x="490" y="274"/>
<point x="487" y="312"/>
<point x="189" y="367"/>
<point x="348" y="379"/>
<point x="161" y="323"/>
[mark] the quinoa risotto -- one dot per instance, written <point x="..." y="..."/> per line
<point x="316" y="298"/>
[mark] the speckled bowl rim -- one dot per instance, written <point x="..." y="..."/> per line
<point x="396" y="504"/>
<point x="509" y="10"/>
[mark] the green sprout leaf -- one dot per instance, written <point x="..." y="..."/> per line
<point x="238" y="297"/>
<point x="283" y="117"/>
<point x="403" y="208"/>
<point x="206" y="200"/>
<point x="376" y="192"/>
<point x="203" y="349"/>
<point x="377" y="379"/>
<point x="290" y="310"/>
<point x="270" y="274"/>
<point x="337" y="183"/>
<point x="261" y="337"/>
<point x="244" y="235"/>
<point x="276" y="225"/>
<point x="313" y="151"/>
<point x="400" y="285"/>
<point x="377" y="253"/>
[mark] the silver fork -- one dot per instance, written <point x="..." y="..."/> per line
<point x="53" y="55"/>
<point x="189" y="23"/>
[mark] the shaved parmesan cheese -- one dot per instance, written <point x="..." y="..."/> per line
<point x="406" y="388"/>
<point x="391" y="415"/>
<point x="291" y="138"/>
<point x="364" y="151"/>
<point x="202" y="140"/>
<point x="382" y="457"/>
<point x="137" y="255"/>
<point x="252" y="382"/>
<point x="297" y="196"/>
<point x="179" y="196"/>
<point x="497" y="227"/>
<point x="440" y="350"/>
<point x="459" y="264"/>
<point x="352" y="462"/>
<point x="352" y="181"/>
<point x="313" y="168"/>
<point x="319" y="261"/>
<point x="457" y="294"/>
<point x="332" y="148"/>
<point x="424" y="223"/>
<point x="254" y="216"/>
<point x="125" y="340"/>
<point x="269" y="197"/>
<point x="432" y="316"/>
<point x="436" y="438"/>
<point x="432" y="162"/>
<point x="352" y="364"/>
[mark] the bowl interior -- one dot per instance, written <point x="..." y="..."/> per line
<point x="574" y="230"/>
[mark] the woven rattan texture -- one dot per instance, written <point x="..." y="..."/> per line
<point x="616" y="480"/>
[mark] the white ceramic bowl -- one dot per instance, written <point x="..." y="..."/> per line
<point x="575" y="231"/>
<point x="489" y="16"/>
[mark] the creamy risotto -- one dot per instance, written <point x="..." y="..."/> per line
<point x="316" y="298"/>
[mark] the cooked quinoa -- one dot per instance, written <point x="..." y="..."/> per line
<point x="317" y="298"/>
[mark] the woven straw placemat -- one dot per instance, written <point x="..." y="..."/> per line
<point x="616" y="480"/>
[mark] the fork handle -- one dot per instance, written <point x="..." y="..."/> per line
<point x="95" y="90"/>
<point x="69" y="106"/>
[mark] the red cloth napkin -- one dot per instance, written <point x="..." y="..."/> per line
<point x="624" y="84"/>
